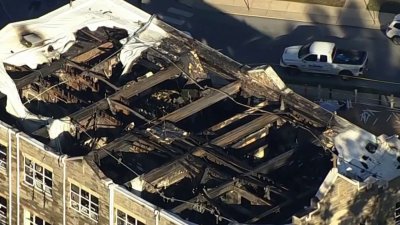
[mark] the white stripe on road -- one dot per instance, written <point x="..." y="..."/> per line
<point x="171" y="20"/>
<point x="179" y="12"/>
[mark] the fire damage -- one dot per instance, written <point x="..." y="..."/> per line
<point x="185" y="128"/>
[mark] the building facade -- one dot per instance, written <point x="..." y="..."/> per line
<point x="38" y="186"/>
<point x="346" y="201"/>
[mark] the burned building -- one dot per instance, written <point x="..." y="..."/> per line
<point x="110" y="116"/>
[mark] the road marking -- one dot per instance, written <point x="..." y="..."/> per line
<point x="179" y="12"/>
<point x="171" y="20"/>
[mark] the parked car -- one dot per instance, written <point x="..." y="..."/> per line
<point x="324" y="57"/>
<point x="393" y="30"/>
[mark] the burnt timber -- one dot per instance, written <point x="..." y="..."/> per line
<point x="207" y="138"/>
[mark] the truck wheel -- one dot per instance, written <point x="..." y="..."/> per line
<point x="293" y="70"/>
<point x="396" y="40"/>
<point x="345" y="74"/>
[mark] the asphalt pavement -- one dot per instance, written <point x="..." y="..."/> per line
<point x="255" y="41"/>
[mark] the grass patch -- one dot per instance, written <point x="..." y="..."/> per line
<point x="336" y="3"/>
<point x="387" y="6"/>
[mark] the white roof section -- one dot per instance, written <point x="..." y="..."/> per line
<point x="321" y="48"/>
<point x="57" y="29"/>
<point x="363" y="155"/>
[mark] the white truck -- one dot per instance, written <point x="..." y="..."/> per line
<point x="324" y="57"/>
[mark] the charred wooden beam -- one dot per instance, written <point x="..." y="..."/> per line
<point x="237" y="117"/>
<point x="93" y="53"/>
<point x="274" y="163"/>
<point x="77" y="51"/>
<point x="203" y="102"/>
<point x="221" y="158"/>
<point x="244" y="130"/>
<point x="211" y="194"/>
<point x="263" y="132"/>
<point x="127" y="91"/>
<point x="277" y="208"/>
<point x="255" y="200"/>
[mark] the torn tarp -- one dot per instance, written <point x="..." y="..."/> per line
<point x="56" y="30"/>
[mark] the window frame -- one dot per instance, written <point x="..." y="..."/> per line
<point x="33" y="218"/>
<point x="3" y="217"/>
<point x="3" y="163"/>
<point x="38" y="178"/>
<point x="87" y="211"/>
<point x="117" y="218"/>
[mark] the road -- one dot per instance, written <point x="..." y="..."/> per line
<point x="249" y="40"/>
<point x="256" y="41"/>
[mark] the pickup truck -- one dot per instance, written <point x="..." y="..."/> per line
<point x="324" y="57"/>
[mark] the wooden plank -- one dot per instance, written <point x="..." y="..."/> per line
<point x="244" y="130"/>
<point x="254" y="199"/>
<point x="274" y="163"/>
<point x="251" y="138"/>
<point x="127" y="91"/>
<point x="92" y="53"/>
<point x="54" y="66"/>
<point x="203" y="102"/>
<point x="237" y="117"/>
<point x="211" y="194"/>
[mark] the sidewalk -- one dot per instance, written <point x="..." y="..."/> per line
<point x="353" y="13"/>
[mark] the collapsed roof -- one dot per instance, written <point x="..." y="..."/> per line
<point x="173" y="120"/>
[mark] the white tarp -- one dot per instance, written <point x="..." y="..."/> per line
<point x="356" y="161"/>
<point x="57" y="29"/>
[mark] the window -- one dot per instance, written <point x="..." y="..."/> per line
<point x="37" y="176"/>
<point x="31" y="219"/>
<point x="323" y="58"/>
<point x="397" y="214"/>
<point x="3" y="157"/>
<point x="84" y="202"/>
<point x="3" y="211"/>
<point x="304" y="50"/>
<point x="311" y="58"/>
<point x="125" y="219"/>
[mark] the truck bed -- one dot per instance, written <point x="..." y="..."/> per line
<point x="351" y="57"/>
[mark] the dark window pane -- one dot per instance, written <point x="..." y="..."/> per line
<point x="323" y="58"/>
<point x="140" y="223"/>
<point x="48" y="182"/>
<point x="28" y="162"/>
<point x="85" y="202"/>
<point x="120" y="221"/>
<point x="39" y="176"/>
<point x="29" y="180"/>
<point x="75" y="188"/>
<point x="38" y="221"/>
<point x="85" y="194"/>
<point x="311" y="58"/>
<point x="48" y="173"/>
<point x="121" y="214"/>
<point x="131" y="219"/>
<point x="94" y="208"/>
<point x="3" y="201"/>
<point x="94" y="199"/>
